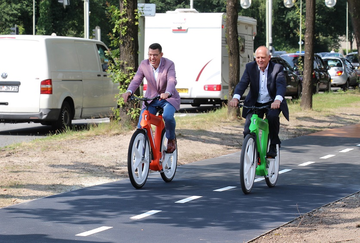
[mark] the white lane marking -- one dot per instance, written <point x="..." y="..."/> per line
<point x="280" y="172"/>
<point x="144" y="215"/>
<point x="225" y="188"/>
<point x="284" y="171"/>
<point x="94" y="231"/>
<point x="306" y="163"/>
<point x="327" y="156"/>
<point x="188" y="199"/>
<point x="346" y="150"/>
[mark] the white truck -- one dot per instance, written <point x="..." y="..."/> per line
<point x="52" y="80"/>
<point x="197" y="44"/>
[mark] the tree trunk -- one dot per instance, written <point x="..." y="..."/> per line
<point x="129" y="38"/>
<point x="306" y="99"/>
<point x="354" y="9"/>
<point x="233" y="50"/>
<point x="128" y="48"/>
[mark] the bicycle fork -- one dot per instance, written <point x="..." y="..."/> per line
<point x="260" y="128"/>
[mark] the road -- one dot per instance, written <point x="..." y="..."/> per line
<point x="204" y="203"/>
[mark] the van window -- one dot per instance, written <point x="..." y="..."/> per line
<point x="87" y="56"/>
<point x="104" y="57"/>
<point x="62" y="56"/>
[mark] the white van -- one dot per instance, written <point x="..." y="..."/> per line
<point x="52" y="80"/>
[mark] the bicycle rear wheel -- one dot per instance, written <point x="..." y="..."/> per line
<point x="169" y="161"/>
<point x="139" y="158"/>
<point x="273" y="168"/>
<point x="248" y="163"/>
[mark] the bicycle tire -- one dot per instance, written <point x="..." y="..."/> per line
<point x="273" y="169"/>
<point x="169" y="161"/>
<point x="139" y="158"/>
<point x="248" y="163"/>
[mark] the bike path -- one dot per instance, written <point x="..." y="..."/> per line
<point x="317" y="169"/>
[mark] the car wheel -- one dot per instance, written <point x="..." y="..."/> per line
<point x="316" y="88"/>
<point x="298" y="92"/>
<point x="346" y="86"/>
<point x="329" y="86"/>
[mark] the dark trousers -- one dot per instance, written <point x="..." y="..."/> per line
<point x="274" y="123"/>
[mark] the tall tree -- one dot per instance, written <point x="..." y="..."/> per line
<point x="306" y="100"/>
<point x="233" y="49"/>
<point x="128" y="48"/>
<point x="354" y="9"/>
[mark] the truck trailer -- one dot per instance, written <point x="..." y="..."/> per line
<point x="196" y="43"/>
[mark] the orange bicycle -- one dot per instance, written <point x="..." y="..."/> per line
<point x="147" y="148"/>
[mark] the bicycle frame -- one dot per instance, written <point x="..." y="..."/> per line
<point x="146" y="123"/>
<point x="258" y="125"/>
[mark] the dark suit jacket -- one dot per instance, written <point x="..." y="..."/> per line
<point x="276" y="85"/>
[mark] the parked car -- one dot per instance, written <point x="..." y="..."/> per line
<point x="333" y="54"/>
<point x="278" y="53"/>
<point x="321" y="79"/>
<point x="342" y="72"/>
<point x="353" y="57"/>
<point x="293" y="81"/>
<point x="322" y="54"/>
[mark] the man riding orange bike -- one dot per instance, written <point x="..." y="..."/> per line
<point x="161" y="80"/>
<point x="267" y="86"/>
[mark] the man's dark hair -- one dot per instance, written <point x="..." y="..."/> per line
<point x="155" y="46"/>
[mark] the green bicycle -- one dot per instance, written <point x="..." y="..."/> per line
<point x="253" y="159"/>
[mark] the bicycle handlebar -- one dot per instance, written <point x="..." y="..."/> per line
<point x="134" y="97"/>
<point x="254" y="107"/>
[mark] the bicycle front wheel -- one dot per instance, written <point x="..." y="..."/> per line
<point x="273" y="168"/>
<point x="139" y="158"/>
<point x="169" y="161"/>
<point x="248" y="163"/>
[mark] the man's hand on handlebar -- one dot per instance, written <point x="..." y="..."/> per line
<point x="126" y="96"/>
<point x="164" y="96"/>
<point x="275" y="104"/>
<point x="234" y="102"/>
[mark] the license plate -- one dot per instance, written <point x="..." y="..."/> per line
<point x="183" y="90"/>
<point x="9" y="88"/>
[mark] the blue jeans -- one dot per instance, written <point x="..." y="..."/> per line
<point x="168" y="116"/>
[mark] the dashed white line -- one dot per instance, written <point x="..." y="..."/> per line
<point x="306" y="163"/>
<point x="346" y="150"/>
<point x="224" y="188"/>
<point x="284" y="171"/>
<point x="144" y="215"/>
<point x="259" y="179"/>
<point x="188" y="199"/>
<point x="94" y="231"/>
<point x="327" y="156"/>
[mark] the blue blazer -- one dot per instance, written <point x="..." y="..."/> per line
<point x="276" y="85"/>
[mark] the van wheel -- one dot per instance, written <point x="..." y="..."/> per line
<point x="65" y="117"/>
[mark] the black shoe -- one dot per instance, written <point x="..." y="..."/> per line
<point x="272" y="151"/>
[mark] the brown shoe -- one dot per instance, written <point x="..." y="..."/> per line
<point x="171" y="146"/>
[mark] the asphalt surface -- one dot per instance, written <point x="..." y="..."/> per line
<point x="204" y="203"/>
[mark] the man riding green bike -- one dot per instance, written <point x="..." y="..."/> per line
<point x="267" y="86"/>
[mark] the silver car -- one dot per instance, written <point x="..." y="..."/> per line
<point x="342" y="72"/>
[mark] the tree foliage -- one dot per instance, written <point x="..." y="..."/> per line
<point x="52" y="17"/>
